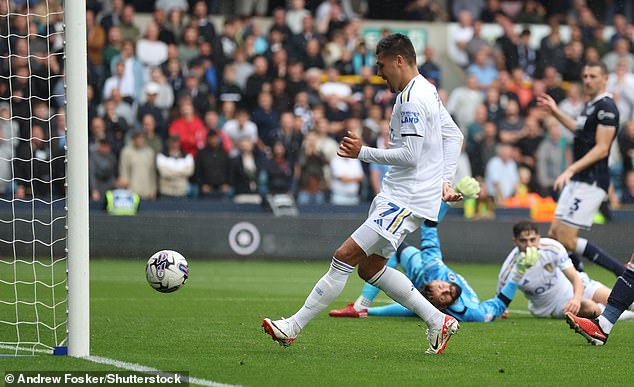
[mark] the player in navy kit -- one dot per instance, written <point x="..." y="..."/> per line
<point x="585" y="182"/>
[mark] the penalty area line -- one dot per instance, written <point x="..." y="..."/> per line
<point x="141" y="368"/>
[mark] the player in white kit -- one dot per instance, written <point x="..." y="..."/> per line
<point x="424" y="147"/>
<point x="552" y="285"/>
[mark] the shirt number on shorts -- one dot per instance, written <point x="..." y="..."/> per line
<point x="574" y="207"/>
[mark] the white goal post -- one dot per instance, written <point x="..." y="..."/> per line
<point x="44" y="197"/>
<point x="78" y="307"/>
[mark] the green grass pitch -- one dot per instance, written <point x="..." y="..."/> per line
<point x="211" y="328"/>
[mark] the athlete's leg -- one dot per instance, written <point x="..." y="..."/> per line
<point x="398" y="287"/>
<point x="589" y="309"/>
<point x="620" y="299"/>
<point x="601" y="295"/>
<point x="369" y="292"/>
<point x="598" y="256"/>
<point x="409" y="258"/>
<point x="576" y="261"/>
<point x="568" y="236"/>
<point x="325" y="291"/>
<point x="347" y="256"/>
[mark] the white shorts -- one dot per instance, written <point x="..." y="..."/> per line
<point x="590" y="286"/>
<point x="555" y="304"/>
<point x="579" y="203"/>
<point x="386" y="227"/>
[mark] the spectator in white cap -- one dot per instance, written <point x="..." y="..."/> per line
<point x="150" y="107"/>
<point x="165" y="94"/>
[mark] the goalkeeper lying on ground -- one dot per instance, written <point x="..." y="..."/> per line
<point x="540" y="267"/>
<point x="443" y="287"/>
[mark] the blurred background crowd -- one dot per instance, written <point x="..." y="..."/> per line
<point x="236" y="100"/>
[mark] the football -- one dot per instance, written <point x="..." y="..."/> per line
<point x="166" y="271"/>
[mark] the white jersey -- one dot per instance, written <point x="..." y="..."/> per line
<point x="418" y="111"/>
<point x="545" y="286"/>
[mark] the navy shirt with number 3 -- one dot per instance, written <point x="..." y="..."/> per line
<point x="600" y="111"/>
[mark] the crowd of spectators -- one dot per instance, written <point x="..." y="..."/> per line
<point x="513" y="145"/>
<point x="181" y="108"/>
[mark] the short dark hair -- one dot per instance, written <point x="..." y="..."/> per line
<point x="397" y="44"/>
<point x="138" y="133"/>
<point x="524" y="225"/>
<point x="599" y="64"/>
<point x="426" y="291"/>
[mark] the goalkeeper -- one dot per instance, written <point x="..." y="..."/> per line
<point x="443" y="287"/>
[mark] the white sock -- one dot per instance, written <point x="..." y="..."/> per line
<point x="581" y="246"/>
<point x="325" y="291"/>
<point x="399" y="288"/>
<point x="605" y="324"/>
<point x="361" y="303"/>
<point x="627" y="315"/>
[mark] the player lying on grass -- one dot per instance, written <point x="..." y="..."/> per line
<point x="443" y="287"/>
<point x="552" y="285"/>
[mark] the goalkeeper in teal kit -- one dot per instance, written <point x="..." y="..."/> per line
<point x="443" y="287"/>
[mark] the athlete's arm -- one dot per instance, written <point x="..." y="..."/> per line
<point x="413" y="264"/>
<point x="487" y="311"/>
<point x="352" y="147"/>
<point x="574" y="303"/>
<point x="495" y="307"/>
<point x="405" y="156"/>
<point x="506" y="270"/>
<point x="429" y="243"/>
<point x="395" y="310"/>
<point x="603" y="137"/>
<point x="452" y="138"/>
<point x="546" y="101"/>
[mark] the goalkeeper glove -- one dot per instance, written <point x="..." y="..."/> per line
<point x="525" y="261"/>
<point x="468" y="187"/>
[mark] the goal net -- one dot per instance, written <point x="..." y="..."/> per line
<point x="36" y="199"/>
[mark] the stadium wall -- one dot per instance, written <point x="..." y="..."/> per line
<point x="309" y="237"/>
<point x="203" y="234"/>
